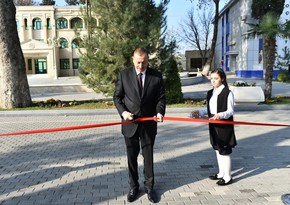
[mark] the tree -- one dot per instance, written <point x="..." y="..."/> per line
<point x="261" y="8"/>
<point x="14" y="89"/>
<point x="169" y="67"/>
<point x="267" y="14"/>
<point x="47" y="2"/>
<point x="77" y="2"/>
<point x="72" y="2"/>
<point x="173" y="90"/>
<point x="283" y="61"/>
<point x="123" y="26"/>
<point x="208" y="63"/>
<point x="24" y="2"/>
<point x="196" y="31"/>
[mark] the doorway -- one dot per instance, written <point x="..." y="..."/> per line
<point x="40" y="66"/>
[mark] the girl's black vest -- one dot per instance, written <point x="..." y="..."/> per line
<point x="222" y="136"/>
<point x="222" y="101"/>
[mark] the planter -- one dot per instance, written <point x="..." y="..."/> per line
<point x="185" y="81"/>
<point x="247" y="95"/>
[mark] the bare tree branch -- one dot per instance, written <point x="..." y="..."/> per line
<point x="197" y="29"/>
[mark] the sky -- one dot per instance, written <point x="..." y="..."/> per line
<point x="176" y="13"/>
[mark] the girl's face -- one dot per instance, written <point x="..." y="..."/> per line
<point x="216" y="80"/>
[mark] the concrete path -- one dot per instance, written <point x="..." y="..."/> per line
<point x="43" y="88"/>
<point x="88" y="166"/>
<point x="71" y="88"/>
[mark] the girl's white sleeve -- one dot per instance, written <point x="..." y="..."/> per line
<point x="230" y="111"/>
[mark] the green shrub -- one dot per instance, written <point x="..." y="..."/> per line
<point x="173" y="91"/>
<point x="282" y="77"/>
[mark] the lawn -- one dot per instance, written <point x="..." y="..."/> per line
<point x="101" y="104"/>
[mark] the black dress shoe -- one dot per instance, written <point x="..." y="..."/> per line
<point x="222" y="182"/>
<point x="132" y="195"/>
<point x="214" y="177"/>
<point x="152" y="197"/>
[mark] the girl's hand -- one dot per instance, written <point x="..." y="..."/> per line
<point x="215" y="117"/>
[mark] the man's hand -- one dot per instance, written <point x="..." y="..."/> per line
<point x="158" y="118"/>
<point x="194" y="114"/>
<point x="127" y="115"/>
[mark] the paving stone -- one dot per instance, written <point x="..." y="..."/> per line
<point x="89" y="166"/>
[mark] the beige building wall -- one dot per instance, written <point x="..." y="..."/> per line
<point x="193" y="60"/>
<point x="42" y="39"/>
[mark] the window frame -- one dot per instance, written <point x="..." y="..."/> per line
<point x="63" y="43"/>
<point x="37" y="24"/>
<point x="61" y="23"/>
<point x="76" y="63"/>
<point x="64" y="64"/>
<point x="76" y="23"/>
<point x="75" y="43"/>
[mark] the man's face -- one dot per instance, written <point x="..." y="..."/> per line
<point x="140" y="61"/>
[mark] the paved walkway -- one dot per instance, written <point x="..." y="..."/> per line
<point x="55" y="88"/>
<point x="43" y="88"/>
<point x="88" y="166"/>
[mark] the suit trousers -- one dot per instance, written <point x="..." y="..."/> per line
<point x="133" y="149"/>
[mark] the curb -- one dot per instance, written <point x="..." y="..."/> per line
<point x="239" y="108"/>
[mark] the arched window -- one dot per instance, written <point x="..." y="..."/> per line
<point x="63" y="43"/>
<point x="75" y="43"/>
<point x="94" y="23"/>
<point x="76" y="23"/>
<point x="37" y="24"/>
<point x="61" y="23"/>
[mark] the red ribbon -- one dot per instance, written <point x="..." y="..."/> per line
<point x="223" y="121"/>
<point x="58" y="129"/>
<point x="182" y="119"/>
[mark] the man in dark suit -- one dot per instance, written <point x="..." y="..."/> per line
<point x="135" y="98"/>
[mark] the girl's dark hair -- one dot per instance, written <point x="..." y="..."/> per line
<point x="222" y="75"/>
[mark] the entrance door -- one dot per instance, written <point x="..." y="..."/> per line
<point x="40" y="66"/>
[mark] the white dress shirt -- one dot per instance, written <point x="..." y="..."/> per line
<point x="213" y="104"/>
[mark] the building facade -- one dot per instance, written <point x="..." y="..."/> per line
<point x="48" y="39"/>
<point x="194" y="61"/>
<point x="234" y="52"/>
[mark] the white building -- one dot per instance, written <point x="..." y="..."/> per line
<point x="233" y="51"/>
<point x="48" y="39"/>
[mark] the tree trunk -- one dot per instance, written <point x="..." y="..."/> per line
<point x="208" y="63"/>
<point x="270" y="49"/>
<point x="14" y="89"/>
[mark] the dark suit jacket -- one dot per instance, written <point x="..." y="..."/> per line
<point x="152" y="101"/>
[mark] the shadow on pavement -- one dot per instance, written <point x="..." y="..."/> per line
<point x="89" y="169"/>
